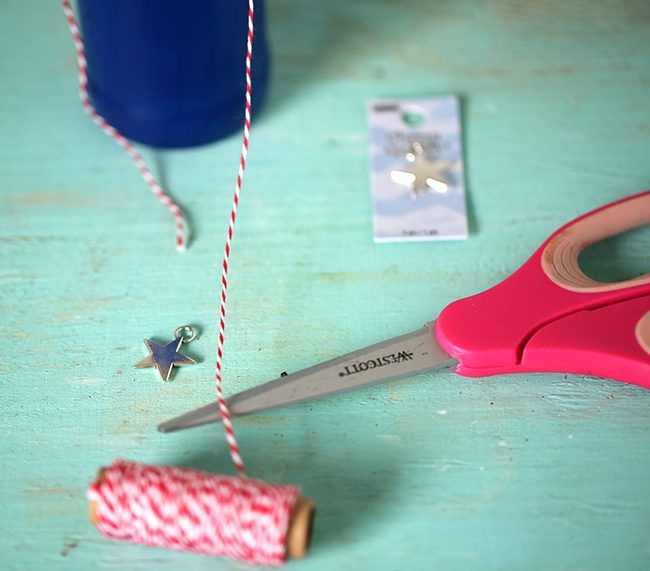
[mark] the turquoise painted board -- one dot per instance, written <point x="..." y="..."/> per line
<point x="536" y="472"/>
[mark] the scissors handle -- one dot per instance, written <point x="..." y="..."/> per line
<point x="550" y="317"/>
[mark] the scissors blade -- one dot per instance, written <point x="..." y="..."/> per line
<point x="408" y="354"/>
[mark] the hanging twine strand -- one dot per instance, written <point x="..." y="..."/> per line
<point x="122" y="141"/>
<point x="188" y="510"/>
<point x="223" y="407"/>
<point x="174" y="208"/>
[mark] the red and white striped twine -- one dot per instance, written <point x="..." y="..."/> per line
<point x="223" y="407"/>
<point x="175" y="209"/>
<point x="188" y="510"/>
<point x="122" y="141"/>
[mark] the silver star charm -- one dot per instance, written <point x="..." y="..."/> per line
<point x="164" y="357"/>
<point x="425" y="175"/>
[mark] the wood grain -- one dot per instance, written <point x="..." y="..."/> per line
<point x="533" y="472"/>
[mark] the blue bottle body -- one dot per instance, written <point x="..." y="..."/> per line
<point x="171" y="74"/>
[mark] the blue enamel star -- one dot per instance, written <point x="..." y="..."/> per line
<point x="164" y="357"/>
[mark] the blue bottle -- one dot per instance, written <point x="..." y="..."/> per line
<point x="171" y="74"/>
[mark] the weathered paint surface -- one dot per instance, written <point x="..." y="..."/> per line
<point x="535" y="472"/>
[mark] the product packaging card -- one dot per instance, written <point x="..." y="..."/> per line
<point x="417" y="177"/>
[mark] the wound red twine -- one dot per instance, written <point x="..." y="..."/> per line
<point x="122" y="141"/>
<point x="188" y="510"/>
<point x="184" y="509"/>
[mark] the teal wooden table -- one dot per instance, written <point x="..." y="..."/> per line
<point x="532" y="472"/>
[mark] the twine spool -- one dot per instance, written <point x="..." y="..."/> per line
<point x="188" y="510"/>
<point x="212" y="514"/>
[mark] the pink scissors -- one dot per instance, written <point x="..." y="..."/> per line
<point x="547" y="317"/>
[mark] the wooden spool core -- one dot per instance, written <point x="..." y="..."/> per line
<point x="300" y="528"/>
<point x="301" y="523"/>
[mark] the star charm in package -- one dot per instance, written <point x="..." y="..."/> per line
<point x="417" y="175"/>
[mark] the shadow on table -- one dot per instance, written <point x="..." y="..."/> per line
<point x="313" y="41"/>
<point x="353" y="493"/>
